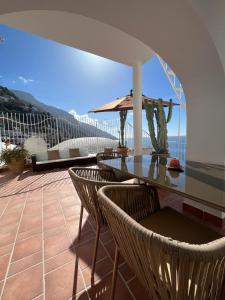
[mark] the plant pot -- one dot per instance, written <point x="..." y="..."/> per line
<point x="16" y="166"/>
<point x="122" y="151"/>
<point x="160" y="154"/>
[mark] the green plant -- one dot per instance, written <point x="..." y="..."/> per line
<point x="123" y="117"/>
<point x="155" y="114"/>
<point x="18" y="153"/>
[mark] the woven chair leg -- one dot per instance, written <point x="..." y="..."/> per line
<point x="114" y="276"/>
<point x="95" y="253"/>
<point x="80" y="222"/>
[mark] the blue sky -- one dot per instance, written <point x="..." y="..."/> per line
<point x="73" y="79"/>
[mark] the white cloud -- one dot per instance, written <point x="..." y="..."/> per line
<point x="25" y="80"/>
<point x="84" y="118"/>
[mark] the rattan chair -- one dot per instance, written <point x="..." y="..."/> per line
<point x="168" y="268"/>
<point x="107" y="155"/>
<point x="120" y="176"/>
<point x="87" y="181"/>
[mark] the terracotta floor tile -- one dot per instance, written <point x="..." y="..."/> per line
<point x="81" y="296"/>
<point x="10" y="218"/>
<point x="126" y="272"/>
<point x="105" y="237"/>
<point x="59" y="260"/>
<point x="101" y="290"/>
<point x="7" y="238"/>
<point x="25" y="285"/>
<point x="138" y="290"/>
<point x="63" y="283"/>
<point x="33" y="208"/>
<point x="6" y="249"/>
<point x="84" y="253"/>
<point x="27" y="247"/>
<point x="56" y="244"/>
<point x="73" y="210"/>
<point x="41" y="297"/>
<point x="50" y="210"/>
<point x="3" y="265"/>
<point x="26" y="234"/>
<point x="74" y="225"/>
<point x="56" y="230"/>
<point x="110" y="247"/>
<point x="25" y="263"/>
<point x="53" y="222"/>
<point x="1" y="285"/>
<point x="102" y="268"/>
<point x="30" y="221"/>
<point x="85" y="236"/>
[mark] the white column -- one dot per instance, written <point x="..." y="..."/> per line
<point x="137" y="102"/>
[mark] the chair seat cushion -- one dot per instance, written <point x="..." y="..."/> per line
<point x="131" y="181"/>
<point x="170" y="223"/>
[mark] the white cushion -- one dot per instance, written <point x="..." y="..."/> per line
<point x="64" y="153"/>
<point x="61" y="159"/>
<point x="132" y="181"/>
<point x="83" y="152"/>
<point x="42" y="156"/>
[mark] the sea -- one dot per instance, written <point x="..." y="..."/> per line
<point x="177" y="145"/>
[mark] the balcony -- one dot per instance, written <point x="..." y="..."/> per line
<point x="40" y="256"/>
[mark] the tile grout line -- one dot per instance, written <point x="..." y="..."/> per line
<point x="124" y="281"/>
<point x="71" y="240"/>
<point x="5" y="208"/>
<point x="19" y="272"/>
<point x="42" y="242"/>
<point x="14" y="244"/>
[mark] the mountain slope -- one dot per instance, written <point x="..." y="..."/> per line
<point x="11" y="103"/>
<point x="84" y="129"/>
<point x="30" y="99"/>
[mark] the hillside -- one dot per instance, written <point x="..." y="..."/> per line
<point x="15" y="101"/>
<point x="11" y="103"/>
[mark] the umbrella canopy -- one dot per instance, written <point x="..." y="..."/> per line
<point x="126" y="103"/>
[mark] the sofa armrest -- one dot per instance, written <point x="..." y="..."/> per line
<point x="33" y="161"/>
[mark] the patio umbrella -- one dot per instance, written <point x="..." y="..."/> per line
<point x="126" y="103"/>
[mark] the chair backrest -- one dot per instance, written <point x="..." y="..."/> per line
<point x="169" y="269"/>
<point x="87" y="181"/>
<point x="107" y="155"/>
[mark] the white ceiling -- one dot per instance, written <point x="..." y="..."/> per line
<point x="81" y="32"/>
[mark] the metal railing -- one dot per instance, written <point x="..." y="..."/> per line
<point x="18" y="127"/>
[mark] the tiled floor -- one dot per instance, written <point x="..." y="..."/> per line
<point x="40" y="257"/>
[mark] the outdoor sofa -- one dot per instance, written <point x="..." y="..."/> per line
<point x="54" y="159"/>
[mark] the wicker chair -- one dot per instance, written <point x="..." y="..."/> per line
<point x="168" y="268"/>
<point x="120" y="176"/>
<point x="87" y="181"/>
<point x="107" y="155"/>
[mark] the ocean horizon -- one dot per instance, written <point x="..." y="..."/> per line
<point x="177" y="145"/>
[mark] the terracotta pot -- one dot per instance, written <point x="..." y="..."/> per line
<point x="160" y="154"/>
<point x="122" y="150"/>
<point x="16" y="166"/>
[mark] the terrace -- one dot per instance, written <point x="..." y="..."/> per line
<point x="40" y="256"/>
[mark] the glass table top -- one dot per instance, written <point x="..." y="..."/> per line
<point x="204" y="183"/>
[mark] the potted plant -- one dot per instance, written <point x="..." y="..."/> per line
<point x="155" y="114"/>
<point x="14" y="158"/>
<point x="122" y="148"/>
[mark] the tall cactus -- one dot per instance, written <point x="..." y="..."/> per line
<point x="123" y="117"/>
<point x="155" y="114"/>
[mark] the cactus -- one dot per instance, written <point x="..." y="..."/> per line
<point x="155" y="114"/>
<point x="123" y="117"/>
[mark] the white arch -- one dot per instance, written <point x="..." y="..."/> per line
<point x="177" y="33"/>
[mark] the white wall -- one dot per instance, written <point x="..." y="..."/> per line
<point x="176" y="31"/>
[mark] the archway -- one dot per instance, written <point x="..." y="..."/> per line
<point x="183" y="42"/>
